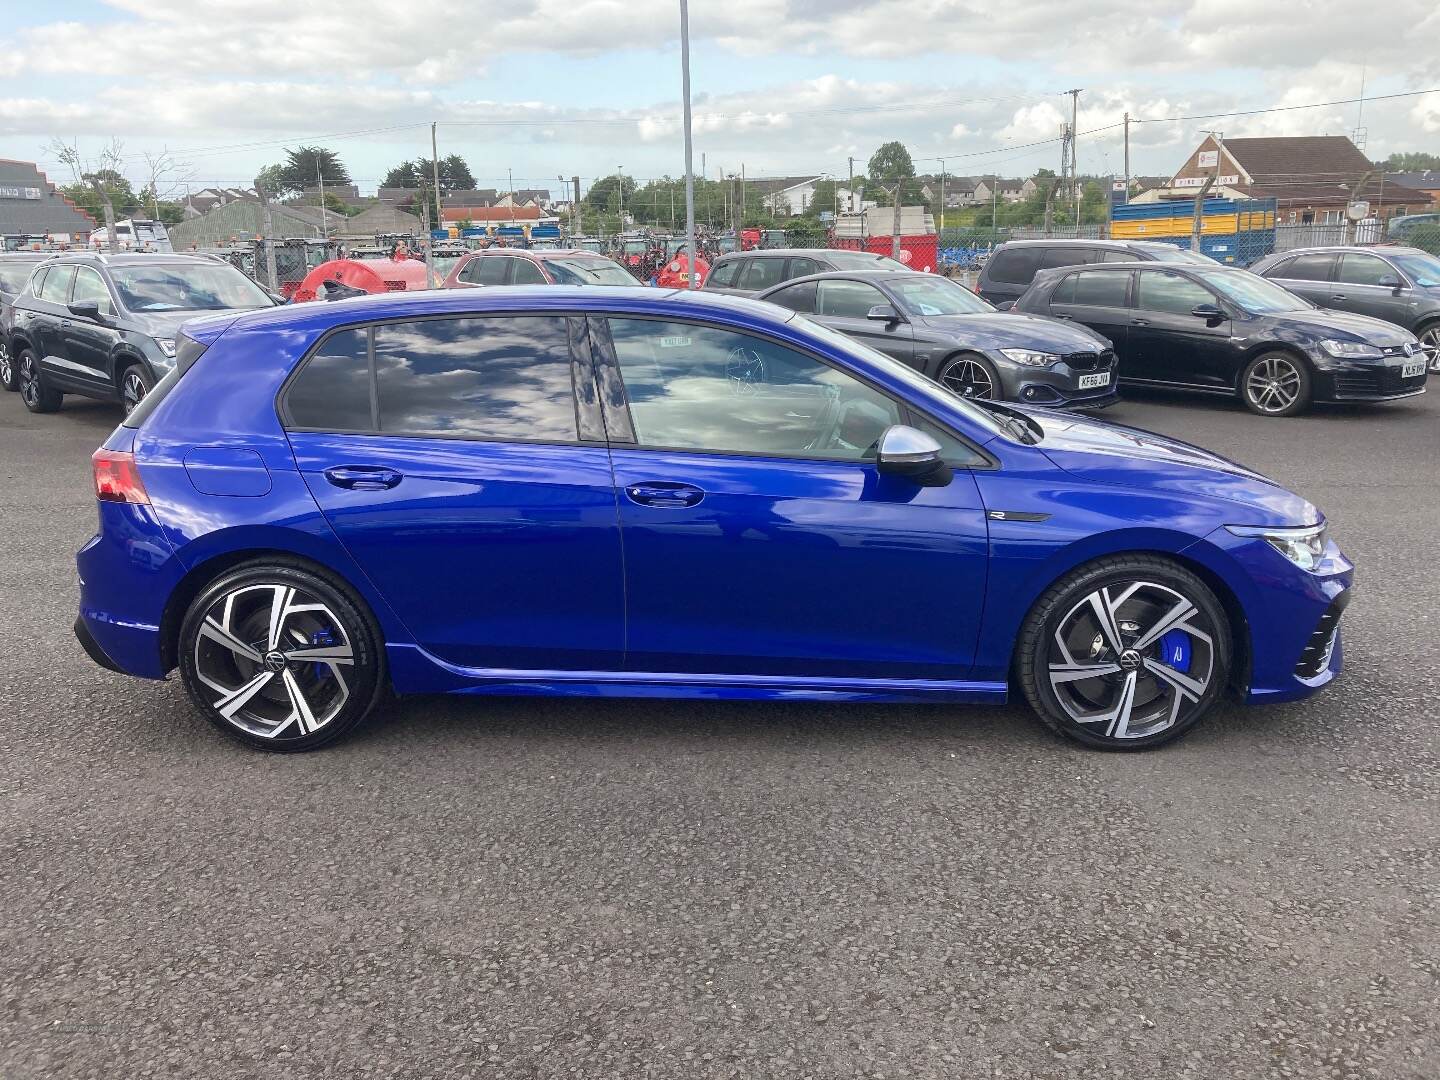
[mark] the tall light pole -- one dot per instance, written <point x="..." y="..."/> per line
<point x="620" y="172"/>
<point x="691" y="257"/>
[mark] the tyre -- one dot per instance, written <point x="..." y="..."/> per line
<point x="9" y="374"/>
<point x="1276" y="384"/>
<point x="135" y="382"/>
<point x="1430" y="337"/>
<point x="38" y="396"/>
<point x="1126" y="653"/>
<point x="970" y="375"/>
<point x="281" y="658"/>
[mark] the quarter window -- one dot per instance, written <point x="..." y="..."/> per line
<point x="1171" y="293"/>
<point x="494" y="377"/>
<point x="847" y="299"/>
<point x="723" y="275"/>
<point x="703" y="388"/>
<point x="1364" y="270"/>
<point x="332" y="391"/>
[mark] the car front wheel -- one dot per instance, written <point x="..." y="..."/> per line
<point x="37" y="395"/>
<point x="971" y="376"/>
<point x="9" y="377"/>
<point x="1430" y="338"/>
<point x="280" y="658"/>
<point x="1124" y="654"/>
<point x="135" y="383"/>
<point x="1276" y="384"/>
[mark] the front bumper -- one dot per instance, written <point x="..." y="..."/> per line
<point x="1293" y="615"/>
<point x="1058" y="386"/>
<point x="1350" y="380"/>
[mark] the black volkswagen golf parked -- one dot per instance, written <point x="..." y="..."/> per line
<point x="950" y="334"/>
<point x="1227" y="331"/>
<point x="105" y="325"/>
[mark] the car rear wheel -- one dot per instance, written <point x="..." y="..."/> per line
<point x="9" y="376"/>
<point x="1276" y="384"/>
<point x="1430" y="338"/>
<point x="970" y="375"/>
<point x="135" y="383"/>
<point x="1124" y="654"/>
<point x="280" y="658"/>
<point x="34" y="392"/>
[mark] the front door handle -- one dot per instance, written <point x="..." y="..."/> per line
<point x="1338" y="296"/>
<point x="664" y="493"/>
<point x="1060" y="315"/>
<point x="1139" y="322"/>
<point x="363" y="477"/>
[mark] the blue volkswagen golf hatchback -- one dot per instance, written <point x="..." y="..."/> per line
<point x="632" y="492"/>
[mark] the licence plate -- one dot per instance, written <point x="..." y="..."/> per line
<point x="1089" y="382"/>
<point x="1412" y="368"/>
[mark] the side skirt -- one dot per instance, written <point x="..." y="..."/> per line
<point x="414" y="670"/>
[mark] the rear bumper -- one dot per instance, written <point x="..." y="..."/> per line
<point x="92" y="647"/>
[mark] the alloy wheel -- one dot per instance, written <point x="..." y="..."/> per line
<point x="7" y="366"/>
<point x="1431" y="340"/>
<point x="968" y="378"/>
<point x="275" y="658"/>
<point x="132" y="390"/>
<point x="1131" y="660"/>
<point x="29" y="380"/>
<point x="1274" y="384"/>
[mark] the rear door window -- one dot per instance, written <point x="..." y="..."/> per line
<point x="1068" y="256"/>
<point x="795" y="297"/>
<point x="332" y="390"/>
<point x="1100" y="288"/>
<point x="527" y="273"/>
<point x="486" y="270"/>
<point x="1017" y="266"/>
<point x="762" y="273"/>
<point x="503" y="377"/>
<point x="56" y="289"/>
<point x="802" y="267"/>
<point x="1306" y="268"/>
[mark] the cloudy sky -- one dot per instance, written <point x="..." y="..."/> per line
<point x="548" y="87"/>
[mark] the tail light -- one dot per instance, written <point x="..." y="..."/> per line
<point x="117" y="477"/>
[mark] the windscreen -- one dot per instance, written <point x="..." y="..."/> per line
<point x="200" y="286"/>
<point x="578" y="270"/>
<point x="927" y="294"/>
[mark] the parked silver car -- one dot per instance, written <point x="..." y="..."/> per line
<point x="1398" y="284"/>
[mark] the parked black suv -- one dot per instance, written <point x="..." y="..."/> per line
<point x="1010" y="270"/>
<point x="105" y="325"/>
<point x="1398" y="284"/>
<point x="15" y="267"/>
<point x="749" y="273"/>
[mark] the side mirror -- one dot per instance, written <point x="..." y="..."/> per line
<point x="1005" y="305"/>
<point x="86" y="309"/>
<point x="1208" y="312"/>
<point x="883" y="313"/>
<point x="904" y="451"/>
<point x="1391" y="282"/>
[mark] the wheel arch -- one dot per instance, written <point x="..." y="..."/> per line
<point x="1287" y="347"/>
<point x="124" y="357"/>
<point x="202" y="574"/>
<point x="1185" y="557"/>
<point x="957" y="352"/>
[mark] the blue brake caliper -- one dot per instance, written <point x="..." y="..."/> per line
<point x="1175" y="650"/>
<point x="325" y="637"/>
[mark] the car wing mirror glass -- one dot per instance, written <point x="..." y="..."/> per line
<point x="908" y="452"/>
<point x="883" y="313"/>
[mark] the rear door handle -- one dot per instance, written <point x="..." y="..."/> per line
<point x="664" y="493"/>
<point x="1059" y="315"/>
<point x="363" y="477"/>
<point x="1338" y="296"/>
<point x="1139" y="322"/>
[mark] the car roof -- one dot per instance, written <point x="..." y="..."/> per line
<point x="27" y="256"/>
<point x="851" y="275"/>
<point x="150" y="258"/>
<point x="521" y="298"/>
<point x="781" y="253"/>
<point x="536" y="253"/>
<point x="1068" y="241"/>
<point x="1371" y="249"/>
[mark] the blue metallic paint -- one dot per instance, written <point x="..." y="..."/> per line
<point x="497" y="568"/>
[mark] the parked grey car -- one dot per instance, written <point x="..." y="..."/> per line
<point x="1013" y="265"/>
<point x="1398" y="284"/>
<point x="948" y="333"/>
<point x="749" y="273"/>
<point x="106" y="326"/>
<point x="15" y="267"/>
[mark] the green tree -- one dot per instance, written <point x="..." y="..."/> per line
<point x="1412" y="161"/>
<point x="122" y="196"/>
<point x="890" y="167"/>
<point x="303" y="168"/>
<point x="599" y="195"/>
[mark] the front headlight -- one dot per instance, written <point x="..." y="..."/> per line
<point x="167" y="346"/>
<point x="1029" y="357"/>
<point x="1355" y="350"/>
<point x="1304" y="546"/>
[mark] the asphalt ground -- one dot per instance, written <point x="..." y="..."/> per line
<point x="614" y="889"/>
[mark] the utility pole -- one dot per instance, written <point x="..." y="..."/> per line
<point x="510" y="179"/>
<point x="942" y="195"/>
<point x="1074" y="157"/>
<point x="1198" y="224"/>
<point x="579" y="218"/>
<point x="852" y="185"/>
<point x="324" y="221"/>
<point x="1127" y="157"/>
<point x="620" y="172"/>
<point x="267" y="237"/>
<point x="435" y="175"/>
<point x="690" y="276"/>
<point x="111" y="244"/>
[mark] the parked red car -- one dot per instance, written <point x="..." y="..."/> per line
<point x="521" y="266"/>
